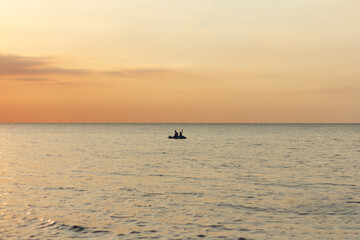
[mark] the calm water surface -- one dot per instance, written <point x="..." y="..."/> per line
<point x="230" y="181"/>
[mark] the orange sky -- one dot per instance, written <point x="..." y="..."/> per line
<point x="179" y="61"/>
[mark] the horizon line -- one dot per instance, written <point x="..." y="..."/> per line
<point x="179" y="122"/>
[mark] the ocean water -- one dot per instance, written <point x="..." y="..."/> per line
<point x="225" y="181"/>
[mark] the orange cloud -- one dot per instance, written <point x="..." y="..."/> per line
<point x="13" y="65"/>
<point x="32" y="69"/>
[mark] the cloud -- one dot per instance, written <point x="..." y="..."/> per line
<point x="139" y="72"/>
<point x="339" y="90"/>
<point x="14" y="65"/>
<point x="32" y="79"/>
<point x="37" y="69"/>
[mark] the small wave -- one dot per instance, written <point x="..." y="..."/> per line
<point x="64" y="188"/>
<point x="102" y="156"/>
<point x="47" y="223"/>
<point x="188" y="193"/>
<point x="120" y="216"/>
<point x="101" y="231"/>
<point x="152" y="194"/>
<point x="217" y="226"/>
<point x="159" y="175"/>
<point x="295" y="148"/>
<point x="80" y="229"/>
<point x="239" y="206"/>
<point x="127" y="189"/>
<point x="244" y="229"/>
<point x="77" y="228"/>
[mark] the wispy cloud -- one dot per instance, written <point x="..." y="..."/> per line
<point x="14" y="65"/>
<point x="38" y="69"/>
<point x="139" y="72"/>
<point x="339" y="90"/>
<point x="32" y="79"/>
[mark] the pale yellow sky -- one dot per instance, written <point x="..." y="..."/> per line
<point x="179" y="61"/>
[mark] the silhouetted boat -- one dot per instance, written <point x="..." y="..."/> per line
<point x="178" y="137"/>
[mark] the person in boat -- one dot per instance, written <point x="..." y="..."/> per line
<point x="180" y="133"/>
<point x="176" y="134"/>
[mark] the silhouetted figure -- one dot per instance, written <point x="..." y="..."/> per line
<point x="176" y="134"/>
<point x="181" y="134"/>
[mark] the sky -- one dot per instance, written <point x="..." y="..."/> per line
<point x="245" y="61"/>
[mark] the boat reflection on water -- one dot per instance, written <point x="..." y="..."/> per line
<point x="178" y="137"/>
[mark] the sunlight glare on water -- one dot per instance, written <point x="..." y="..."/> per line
<point x="251" y="181"/>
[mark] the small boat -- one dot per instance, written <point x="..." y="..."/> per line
<point x="178" y="137"/>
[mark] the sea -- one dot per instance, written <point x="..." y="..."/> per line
<point x="225" y="181"/>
